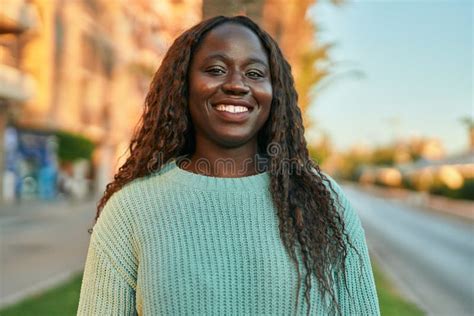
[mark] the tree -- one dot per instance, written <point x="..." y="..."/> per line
<point x="468" y="121"/>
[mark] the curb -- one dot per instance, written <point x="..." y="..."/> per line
<point x="406" y="292"/>
<point x="38" y="288"/>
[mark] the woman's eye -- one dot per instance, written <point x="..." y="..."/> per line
<point x="254" y="74"/>
<point x="215" y="71"/>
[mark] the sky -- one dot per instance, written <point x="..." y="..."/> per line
<point x="401" y="69"/>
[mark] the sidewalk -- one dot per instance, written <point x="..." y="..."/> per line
<point x="42" y="245"/>
<point x="22" y="210"/>
<point x="461" y="209"/>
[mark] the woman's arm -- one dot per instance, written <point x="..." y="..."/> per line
<point x="109" y="282"/>
<point x="357" y="295"/>
<point x="360" y="295"/>
<point x="105" y="290"/>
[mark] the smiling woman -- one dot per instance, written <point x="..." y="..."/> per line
<point x="219" y="209"/>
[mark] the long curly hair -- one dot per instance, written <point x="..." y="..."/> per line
<point x="309" y="223"/>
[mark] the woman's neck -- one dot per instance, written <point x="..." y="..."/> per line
<point x="224" y="162"/>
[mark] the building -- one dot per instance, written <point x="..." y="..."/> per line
<point x="90" y="61"/>
<point x="18" y="25"/>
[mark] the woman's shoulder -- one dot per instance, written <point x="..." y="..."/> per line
<point x="137" y="196"/>
<point x="139" y="189"/>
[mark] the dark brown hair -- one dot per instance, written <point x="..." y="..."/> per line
<point x="310" y="224"/>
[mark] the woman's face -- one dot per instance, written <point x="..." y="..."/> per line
<point x="230" y="89"/>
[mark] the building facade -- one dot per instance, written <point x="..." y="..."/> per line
<point x="18" y="25"/>
<point x="84" y="66"/>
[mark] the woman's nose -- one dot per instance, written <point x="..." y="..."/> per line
<point x="235" y="84"/>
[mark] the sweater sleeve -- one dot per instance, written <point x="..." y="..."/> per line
<point x="357" y="295"/>
<point x="109" y="281"/>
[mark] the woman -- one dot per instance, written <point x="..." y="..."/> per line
<point x="219" y="209"/>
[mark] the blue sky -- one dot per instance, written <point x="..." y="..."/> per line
<point x="417" y="71"/>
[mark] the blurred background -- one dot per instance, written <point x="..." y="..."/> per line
<point x="386" y="89"/>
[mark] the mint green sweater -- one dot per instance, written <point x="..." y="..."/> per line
<point x="179" y="243"/>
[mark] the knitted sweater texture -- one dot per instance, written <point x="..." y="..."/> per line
<point x="179" y="243"/>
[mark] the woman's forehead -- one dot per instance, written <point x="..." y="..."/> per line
<point x="231" y="39"/>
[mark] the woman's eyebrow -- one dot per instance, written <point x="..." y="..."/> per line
<point x="224" y="57"/>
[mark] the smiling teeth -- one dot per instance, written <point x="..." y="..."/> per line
<point x="231" y="108"/>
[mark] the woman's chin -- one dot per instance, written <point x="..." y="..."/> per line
<point x="234" y="140"/>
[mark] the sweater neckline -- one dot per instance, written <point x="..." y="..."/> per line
<point x="258" y="182"/>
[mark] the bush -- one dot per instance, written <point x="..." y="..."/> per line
<point x="408" y="183"/>
<point x="73" y="147"/>
<point x="384" y="156"/>
<point x="466" y="192"/>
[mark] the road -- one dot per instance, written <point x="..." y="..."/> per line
<point x="429" y="256"/>
<point x="41" y="246"/>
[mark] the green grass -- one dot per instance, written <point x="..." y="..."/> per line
<point x="391" y="302"/>
<point x="63" y="300"/>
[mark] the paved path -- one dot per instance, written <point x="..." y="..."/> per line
<point x="429" y="256"/>
<point x="41" y="244"/>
